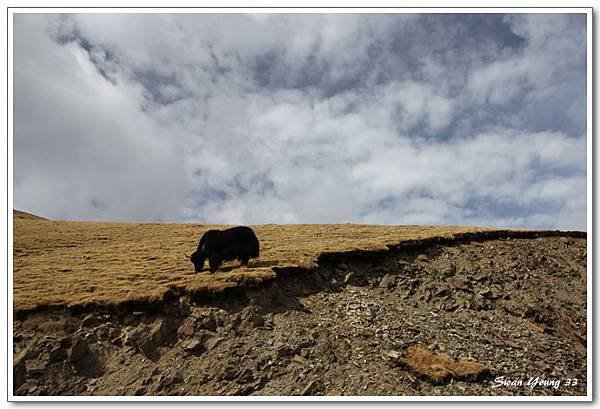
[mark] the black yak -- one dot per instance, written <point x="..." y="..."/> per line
<point x="224" y="245"/>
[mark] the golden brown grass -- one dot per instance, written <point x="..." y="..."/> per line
<point x="18" y="214"/>
<point x="439" y="367"/>
<point x="77" y="263"/>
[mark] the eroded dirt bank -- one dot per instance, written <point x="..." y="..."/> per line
<point x="516" y="306"/>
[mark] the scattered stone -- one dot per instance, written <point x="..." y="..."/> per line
<point x="388" y="281"/>
<point x="177" y="376"/>
<point x="422" y="258"/>
<point x="442" y="291"/>
<point x="89" y="321"/>
<point x="160" y="331"/>
<point x="334" y="392"/>
<point x="131" y="336"/>
<point x="166" y="381"/>
<point x="251" y="319"/>
<point x="57" y="354"/>
<point x="234" y="323"/>
<point x="213" y="342"/>
<point x="208" y="323"/>
<point x="283" y="351"/>
<point x="243" y="391"/>
<point x="445" y="267"/>
<point x="487" y="293"/>
<point x="403" y="263"/>
<point x="299" y="359"/>
<point x="113" y="334"/>
<point x="259" y="384"/>
<point x="19" y="370"/>
<point x="78" y="350"/>
<point x="144" y="344"/>
<point x="129" y="319"/>
<point x="478" y="303"/>
<point x="450" y="304"/>
<point x="148" y="338"/>
<point x="101" y="331"/>
<point x="460" y="282"/>
<point x="35" y="366"/>
<point x="245" y="376"/>
<point x="413" y="285"/>
<point x="194" y="345"/>
<point x="89" y="366"/>
<point x="229" y="373"/>
<point x="185" y="306"/>
<point x="147" y="381"/>
<point x="185" y="330"/>
<point x="480" y="277"/>
<point x="309" y="389"/>
<point x="541" y="313"/>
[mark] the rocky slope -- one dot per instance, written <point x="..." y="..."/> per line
<point x="446" y="318"/>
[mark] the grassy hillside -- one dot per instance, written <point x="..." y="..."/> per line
<point x="21" y="215"/>
<point x="78" y="263"/>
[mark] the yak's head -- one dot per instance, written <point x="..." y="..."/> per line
<point x="198" y="259"/>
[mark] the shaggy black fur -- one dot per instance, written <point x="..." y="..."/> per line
<point x="223" y="245"/>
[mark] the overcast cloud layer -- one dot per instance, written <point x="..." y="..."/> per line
<point x="302" y="118"/>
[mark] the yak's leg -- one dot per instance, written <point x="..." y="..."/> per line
<point x="200" y="265"/>
<point x="244" y="258"/>
<point x="214" y="264"/>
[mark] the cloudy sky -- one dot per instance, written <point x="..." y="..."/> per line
<point x="302" y="118"/>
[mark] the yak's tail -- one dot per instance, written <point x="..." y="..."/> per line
<point x="255" y="250"/>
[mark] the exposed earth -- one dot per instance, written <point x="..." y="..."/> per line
<point x="427" y="319"/>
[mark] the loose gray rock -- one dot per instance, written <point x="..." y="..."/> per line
<point x="19" y="370"/>
<point x="229" y="373"/>
<point x="422" y="258"/>
<point x="213" y="342"/>
<point x="84" y="360"/>
<point x="36" y="366"/>
<point x="245" y="376"/>
<point x="89" y="321"/>
<point x="185" y="330"/>
<point x="57" y="354"/>
<point x="185" y="306"/>
<point x="78" y="350"/>
<point x="348" y="277"/>
<point x="208" y="322"/>
<point x="114" y="334"/>
<point x="388" y="281"/>
<point x="194" y="345"/>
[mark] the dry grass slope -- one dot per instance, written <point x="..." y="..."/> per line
<point x="21" y="215"/>
<point x="60" y="263"/>
<point x="441" y="367"/>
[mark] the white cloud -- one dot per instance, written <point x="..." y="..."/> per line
<point x="83" y="148"/>
<point x="299" y="118"/>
